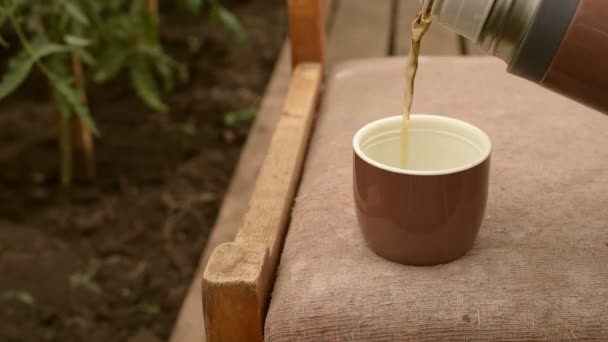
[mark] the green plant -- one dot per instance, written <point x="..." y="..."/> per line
<point x="20" y="296"/>
<point x="240" y="117"/>
<point x="145" y="308"/>
<point x="73" y="41"/>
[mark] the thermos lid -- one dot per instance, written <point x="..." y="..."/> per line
<point x="465" y="17"/>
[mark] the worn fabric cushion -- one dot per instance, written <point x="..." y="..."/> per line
<point x="539" y="269"/>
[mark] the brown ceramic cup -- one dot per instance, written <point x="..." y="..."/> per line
<point x="430" y="213"/>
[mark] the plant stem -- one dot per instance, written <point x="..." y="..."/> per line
<point x="65" y="150"/>
<point x="64" y="131"/>
<point x="65" y="144"/>
<point x="82" y="135"/>
<point x="24" y="41"/>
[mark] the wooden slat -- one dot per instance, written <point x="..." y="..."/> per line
<point x="361" y="29"/>
<point x="437" y="41"/>
<point x="268" y="214"/>
<point x="307" y="31"/>
<point x="238" y="277"/>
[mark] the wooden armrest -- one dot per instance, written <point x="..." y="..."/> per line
<point x="238" y="279"/>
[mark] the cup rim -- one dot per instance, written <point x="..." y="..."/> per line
<point x="368" y="126"/>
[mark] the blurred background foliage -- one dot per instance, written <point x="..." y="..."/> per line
<point x="72" y="42"/>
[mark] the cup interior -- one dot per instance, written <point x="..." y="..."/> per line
<point x="437" y="144"/>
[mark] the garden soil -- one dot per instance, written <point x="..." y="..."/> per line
<point x="112" y="260"/>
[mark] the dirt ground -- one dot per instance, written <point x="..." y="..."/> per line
<point x="113" y="260"/>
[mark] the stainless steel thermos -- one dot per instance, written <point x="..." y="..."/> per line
<point x="559" y="44"/>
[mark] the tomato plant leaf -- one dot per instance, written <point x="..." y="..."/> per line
<point x="85" y="56"/>
<point x="75" y="12"/>
<point x="42" y="49"/>
<point x="167" y="74"/>
<point x="192" y="6"/>
<point x="146" y="86"/>
<point x="94" y="10"/>
<point x="59" y="64"/>
<point x="3" y="42"/>
<point x="19" y="67"/>
<point x="165" y="64"/>
<point x="116" y="28"/>
<point x="74" y="99"/>
<point x="62" y="106"/>
<point x="76" y="41"/>
<point x="110" y="63"/>
<point x="240" y="117"/>
<point x="229" y="20"/>
<point x="3" y="18"/>
<point x="116" y="5"/>
<point x="137" y="6"/>
<point x="150" y="27"/>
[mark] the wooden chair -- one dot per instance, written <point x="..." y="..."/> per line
<point x="531" y="276"/>
<point x="239" y="277"/>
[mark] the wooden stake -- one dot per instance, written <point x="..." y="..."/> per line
<point x="153" y="8"/>
<point x="83" y="139"/>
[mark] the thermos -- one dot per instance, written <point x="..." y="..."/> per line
<point x="559" y="44"/>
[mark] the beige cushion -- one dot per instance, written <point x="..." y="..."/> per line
<point x="539" y="269"/>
